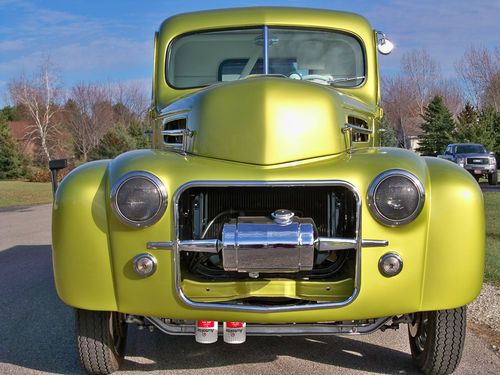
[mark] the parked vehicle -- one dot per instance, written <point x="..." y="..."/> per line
<point x="265" y="203"/>
<point x="475" y="159"/>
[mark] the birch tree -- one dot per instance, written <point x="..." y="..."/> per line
<point x="40" y="96"/>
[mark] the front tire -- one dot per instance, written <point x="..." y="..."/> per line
<point x="493" y="178"/>
<point x="437" y="340"/>
<point x="101" y="337"/>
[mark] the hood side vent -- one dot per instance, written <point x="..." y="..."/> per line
<point x="358" y="137"/>
<point x="172" y="138"/>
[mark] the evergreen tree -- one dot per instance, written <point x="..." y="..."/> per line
<point x="12" y="163"/>
<point x="388" y="135"/>
<point x="485" y="130"/>
<point x="496" y="132"/>
<point x="467" y="122"/>
<point x="438" y="128"/>
<point x="136" y="131"/>
<point x="116" y="141"/>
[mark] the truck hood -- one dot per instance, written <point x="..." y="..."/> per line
<point x="267" y="120"/>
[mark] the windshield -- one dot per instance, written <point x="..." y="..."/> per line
<point x="325" y="57"/>
<point x="470" y="149"/>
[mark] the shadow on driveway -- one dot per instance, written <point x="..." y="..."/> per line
<point x="36" y="332"/>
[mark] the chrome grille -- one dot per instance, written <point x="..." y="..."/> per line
<point x="478" y="161"/>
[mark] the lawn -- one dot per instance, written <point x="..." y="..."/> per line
<point x="492" y="206"/>
<point x="20" y="193"/>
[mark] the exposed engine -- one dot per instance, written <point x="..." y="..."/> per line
<point x="273" y="232"/>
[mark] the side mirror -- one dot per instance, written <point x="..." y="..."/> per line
<point x="384" y="45"/>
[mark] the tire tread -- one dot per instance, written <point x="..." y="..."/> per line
<point x="446" y="338"/>
<point x="95" y="343"/>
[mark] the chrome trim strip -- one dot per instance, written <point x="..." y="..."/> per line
<point x="210" y="246"/>
<point x="266" y="49"/>
<point x="169" y="245"/>
<point x="315" y="329"/>
<point x="330" y="244"/>
<point x="348" y="129"/>
<point x="357" y="129"/>
<point x="372" y="190"/>
<point x="253" y="308"/>
<point x="115" y="189"/>
<point x="374" y="243"/>
<point x="199" y="246"/>
<point x="178" y="133"/>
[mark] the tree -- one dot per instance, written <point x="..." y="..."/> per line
<point x="405" y="96"/>
<point x="388" y="136"/>
<point x="467" y="122"/>
<point x="133" y="96"/>
<point x="438" y="128"/>
<point x="479" y="68"/>
<point x="12" y="162"/>
<point x="487" y="123"/>
<point x="399" y="107"/>
<point x="88" y="116"/>
<point x="40" y="97"/>
<point x="12" y="113"/>
<point x="423" y="74"/>
<point x="116" y="141"/>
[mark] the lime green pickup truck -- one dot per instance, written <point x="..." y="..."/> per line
<point x="265" y="206"/>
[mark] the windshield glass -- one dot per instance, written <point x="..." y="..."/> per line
<point x="470" y="149"/>
<point x="324" y="57"/>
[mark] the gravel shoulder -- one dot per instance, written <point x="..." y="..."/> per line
<point x="484" y="316"/>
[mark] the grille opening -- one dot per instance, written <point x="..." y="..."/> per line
<point x="478" y="161"/>
<point x="333" y="208"/>
<point x="204" y="210"/>
<point x="174" y="125"/>
<point x="358" y="137"/>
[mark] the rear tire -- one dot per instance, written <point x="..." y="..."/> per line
<point x="101" y="337"/>
<point x="437" y="340"/>
<point x="493" y="178"/>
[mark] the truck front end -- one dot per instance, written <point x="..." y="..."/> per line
<point x="265" y="203"/>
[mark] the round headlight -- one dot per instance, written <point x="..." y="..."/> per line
<point x="139" y="199"/>
<point x="395" y="197"/>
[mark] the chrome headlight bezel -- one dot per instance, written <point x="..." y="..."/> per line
<point x="372" y="190"/>
<point x="160" y="188"/>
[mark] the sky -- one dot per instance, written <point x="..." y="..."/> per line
<point x="113" y="40"/>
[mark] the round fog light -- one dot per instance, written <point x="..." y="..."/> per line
<point x="390" y="264"/>
<point x="144" y="264"/>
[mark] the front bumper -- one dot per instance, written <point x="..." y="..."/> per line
<point x="478" y="169"/>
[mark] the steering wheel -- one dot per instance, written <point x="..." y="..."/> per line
<point x="317" y="77"/>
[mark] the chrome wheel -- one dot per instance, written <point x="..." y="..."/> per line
<point x="418" y="330"/>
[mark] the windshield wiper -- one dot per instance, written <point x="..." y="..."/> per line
<point x="334" y="81"/>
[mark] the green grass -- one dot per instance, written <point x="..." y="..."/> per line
<point x="20" y="193"/>
<point x="492" y="207"/>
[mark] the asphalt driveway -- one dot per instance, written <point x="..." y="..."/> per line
<point x="36" y="329"/>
